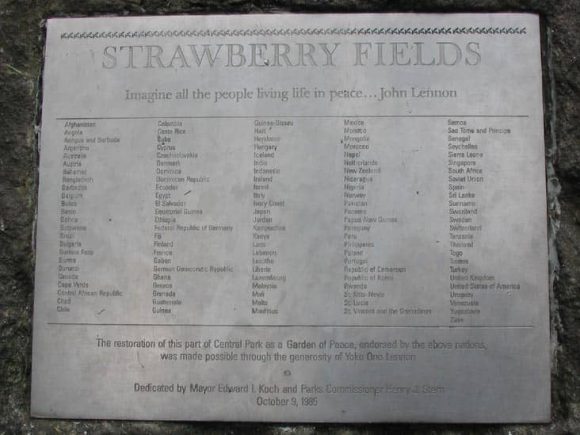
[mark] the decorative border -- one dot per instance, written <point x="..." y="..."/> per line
<point x="311" y="31"/>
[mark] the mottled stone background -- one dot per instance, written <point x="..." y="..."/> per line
<point x="21" y="53"/>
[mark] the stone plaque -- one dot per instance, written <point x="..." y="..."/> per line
<point x="333" y="218"/>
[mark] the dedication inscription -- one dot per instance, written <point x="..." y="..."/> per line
<point x="292" y="218"/>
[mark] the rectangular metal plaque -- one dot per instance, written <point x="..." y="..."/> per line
<point x="292" y="218"/>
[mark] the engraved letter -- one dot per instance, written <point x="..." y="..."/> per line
<point x="206" y="53"/>
<point x="329" y="53"/>
<point x="236" y="51"/>
<point x="257" y="51"/>
<point x="399" y="51"/>
<point x="473" y="58"/>
<point x="443" y="53"/>
<point x="154" y="52"/>
<point x="360" y="52"/>
<point x="113" y="60"/>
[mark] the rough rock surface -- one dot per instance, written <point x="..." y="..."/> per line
<point x="21" y="34"/>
